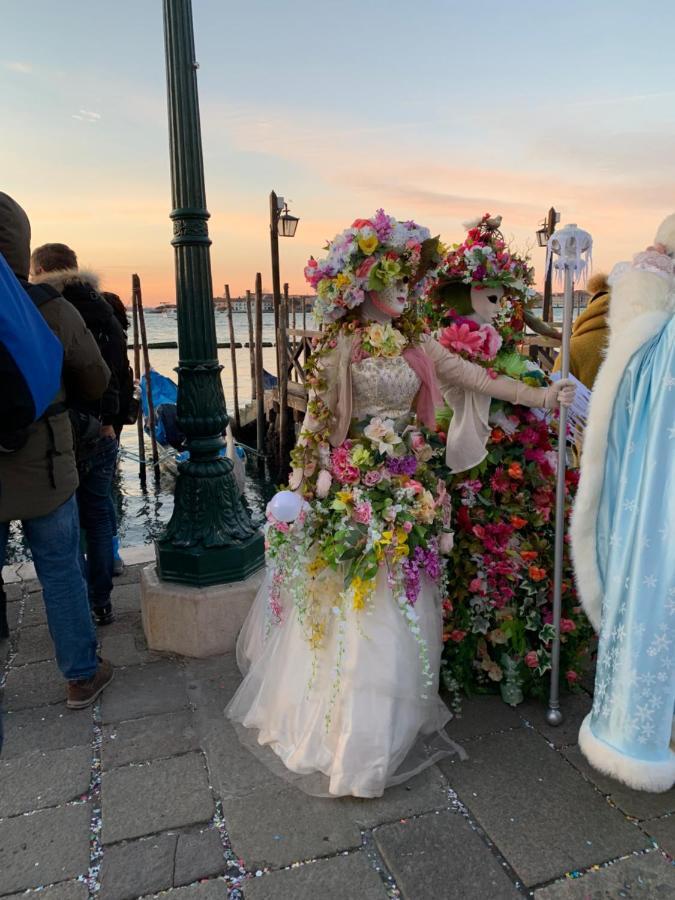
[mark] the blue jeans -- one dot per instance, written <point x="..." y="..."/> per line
<point x="54" y="542"/>
<point x="96" y="473"/>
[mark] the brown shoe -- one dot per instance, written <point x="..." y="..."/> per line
<point x="83" y="693"/>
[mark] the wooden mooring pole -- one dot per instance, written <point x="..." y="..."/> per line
<point x="136" y="287"/>
<point x="251" y="345"/>
<point x="260" y="391"/>
<point x="233" y="359"/>
<point x="137" y="377"/>
<point x="282" y="355"/>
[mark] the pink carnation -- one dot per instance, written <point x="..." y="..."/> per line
<point x="532" y="660"/>
<point x="461" y="339"/>
<point x="365" y="267"/>
<point x="363" y="513"/>
<point x="567" y="625"/>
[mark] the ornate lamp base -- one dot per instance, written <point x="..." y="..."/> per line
<point x="204" y="566"/>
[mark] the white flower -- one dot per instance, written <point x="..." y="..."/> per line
<point x="381" y="433"/>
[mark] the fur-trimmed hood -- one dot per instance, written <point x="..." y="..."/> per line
<point x="59" y="279"/>
<point x="642" y="303"/>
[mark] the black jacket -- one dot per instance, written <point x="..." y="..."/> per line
<point x="81" y="290"/>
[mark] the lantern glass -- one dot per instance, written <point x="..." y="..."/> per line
<point x="288" y="225"/>
<point x="542" y="236"/>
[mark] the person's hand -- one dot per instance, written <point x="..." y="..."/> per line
<point x="561" y="393"/>
<point x="107" y="431"/>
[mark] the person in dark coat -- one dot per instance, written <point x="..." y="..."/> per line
<point x="56" y="265"/>
<point x="39" y="480"/>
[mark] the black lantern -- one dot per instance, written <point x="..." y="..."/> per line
<point x="543" y="235"/>
<point x="287" y="223"/>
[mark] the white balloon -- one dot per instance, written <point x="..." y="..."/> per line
<point x="285" y="506"/>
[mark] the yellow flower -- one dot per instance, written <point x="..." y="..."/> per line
<point x="361" y="592"/>
<point x="386" y="537"/>
<point x="368" y="245"/>
<point x="342" y="281"/>
<point x="360" y="456"/>
<point x="344" y="496"/>
<point x="401" y="536"/>
<point x="317" y="635"/>
<point x="400" y="552"/>
<point x="376" y="334"/>
<point x="316" y="566"/>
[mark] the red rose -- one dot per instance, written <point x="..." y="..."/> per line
<point x="536" y="574"/>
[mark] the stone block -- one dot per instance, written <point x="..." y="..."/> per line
<point x="164" y="794"/>
<point x="139" y="740"/>
<point x="144" y="691"/>
<point x="441" y="855"/>
<point x="127" y="597"/>
<point x="663" y="832"/>
<point x="50" y="846"/>
<point x="637" y="804"/>
<point x="199" y="855"/>
<point x="326" y="879"/>
<point x="427" y="791"/>
<point x="647" y="876"/>
<point x="482" y="715"/>
<point x="212" y="682"/>
<point x="66" y="890"/>
<point x="138" y="867"/>
<point x="575" y="708"/>
<point x="47" y="727"/>
<point x="544" y="818"/>
<point x="122" y="649"/>
<point x="235" y="770"/>
<point x="192" y="621"/>
<point x="34" y="685"/>
<point x="34" y="611"/>
<point x="206" y="890"/>
<point x="37" y="780"/>
<point x="34" y="645"/>
<point x="278" y="827"/>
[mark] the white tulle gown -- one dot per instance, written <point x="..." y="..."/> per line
<point x="379" y="724"/>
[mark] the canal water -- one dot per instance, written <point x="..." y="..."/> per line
<point x="143" y="512"/>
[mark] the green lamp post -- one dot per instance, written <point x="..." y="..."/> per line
<point x="210" y="538"/>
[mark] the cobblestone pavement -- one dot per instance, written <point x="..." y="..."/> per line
<point x="150" y="791"/>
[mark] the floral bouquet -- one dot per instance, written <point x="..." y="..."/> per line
<point x="368" y="256"/>
<point x="378" y="506"/>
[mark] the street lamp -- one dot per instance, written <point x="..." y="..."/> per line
<point x="543" y="235"/>
<point x="287" y="223"/>
<point x="210" y="538"/>
<point x="281" y="222"/>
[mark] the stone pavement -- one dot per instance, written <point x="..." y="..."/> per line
<point x="151" y="791"/>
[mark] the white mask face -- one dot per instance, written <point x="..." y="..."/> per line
<point x="393" y="299"/>
<point x="486" y="302"/>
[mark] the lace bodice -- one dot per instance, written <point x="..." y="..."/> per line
<point x="383" y="387"/>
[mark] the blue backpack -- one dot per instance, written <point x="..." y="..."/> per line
<point x="31" y="358"/>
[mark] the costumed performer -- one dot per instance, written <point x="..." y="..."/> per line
<point x="623" y="526"/>
<point x="341" y="649"/>
<point x="501" y="472"/>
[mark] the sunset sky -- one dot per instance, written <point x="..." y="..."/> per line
<point x="436" y="110"/>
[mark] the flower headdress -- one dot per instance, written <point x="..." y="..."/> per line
<point x="482" y="259"/>
<point x="370" y="255"/>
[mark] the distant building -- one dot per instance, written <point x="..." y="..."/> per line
<point x="239" y="303"/>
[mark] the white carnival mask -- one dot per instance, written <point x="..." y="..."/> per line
<point x="486" y="302"/>
<point x="393" y="299"/>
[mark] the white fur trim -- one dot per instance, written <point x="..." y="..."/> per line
<point x="639" y="307"/>
<point x="638" y="774"/>
<point x="59" y="278"/>
<point x="666" y="233"/>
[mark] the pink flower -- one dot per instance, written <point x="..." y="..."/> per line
<point x="571" y="676"/>
<point x="349" y="475"/>
<point x="407" y="527"/>
<point x="492" y="341"/>
<point x="446" y="542"/>
<point x="366" y="266"/>
<point x="415" y="486"/>
<point x="567" y="625"/>
<point x="461" y="339"/>
<point x="363" y="513"/>
<point x="532" y="660"/>
<point x="370" y="479"/>
<point x="282" y="526"/>
<point x="457" y="635"/>
<point x="476" y="586"/>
